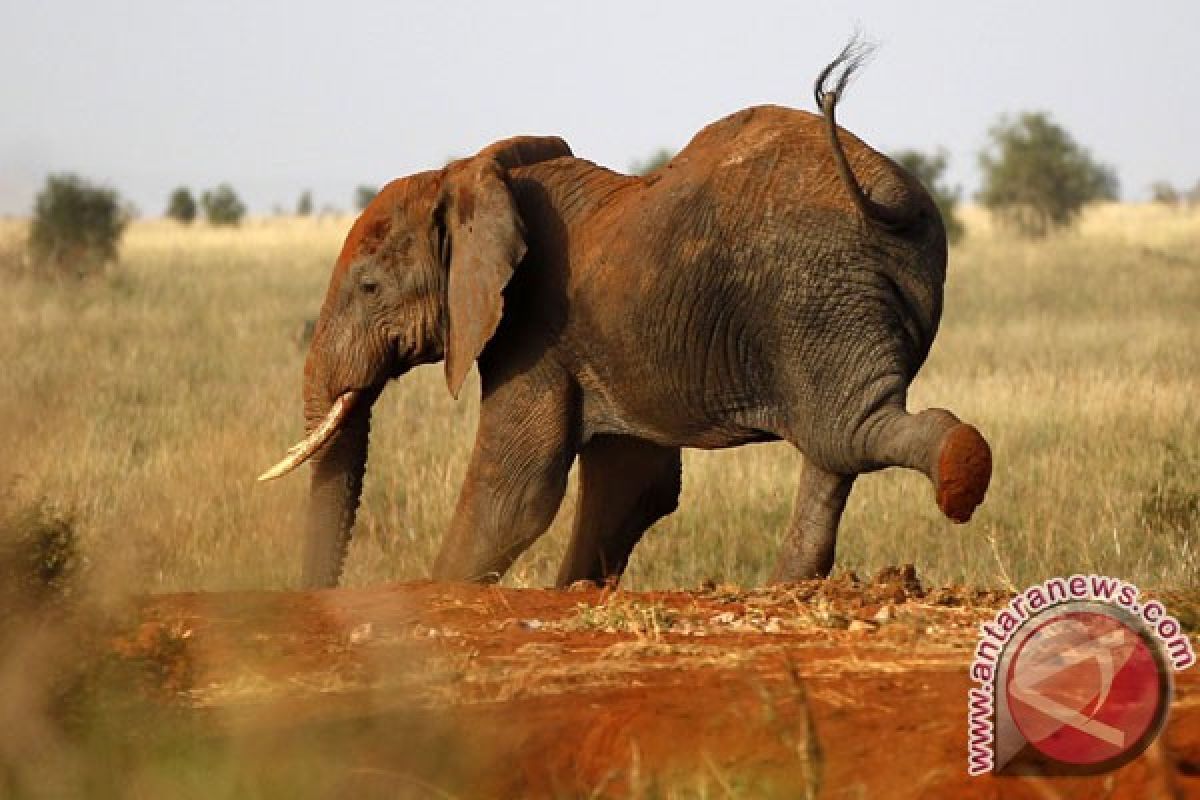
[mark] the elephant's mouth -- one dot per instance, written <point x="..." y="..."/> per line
<point x="300" y="452"/>
<point x="403" y="358"/>
<point x="408" y="354"/>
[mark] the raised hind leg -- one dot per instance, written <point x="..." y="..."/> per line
<point x="952" y="454"/>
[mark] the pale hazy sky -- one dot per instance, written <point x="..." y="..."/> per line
<point x="278" y="97"/>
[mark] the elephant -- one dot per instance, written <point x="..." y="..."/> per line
<point x="778" y="279"/>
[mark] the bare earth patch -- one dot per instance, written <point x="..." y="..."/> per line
<point x="842" y="689"/>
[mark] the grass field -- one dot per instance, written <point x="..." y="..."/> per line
<point x="148" y="400"/>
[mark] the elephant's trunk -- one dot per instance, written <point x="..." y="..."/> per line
<point x="338" y="422"/>
<point x="339" y="433"/>
<point x="334" y="495"/>
<point x="322" y="432"/>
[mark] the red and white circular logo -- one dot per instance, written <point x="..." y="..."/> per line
<point x="1087" y="689"/>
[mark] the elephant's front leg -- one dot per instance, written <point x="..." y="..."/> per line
<point x="625" y="486"/>
<point x="808" y="549"/>
<point x="516" y="478"/>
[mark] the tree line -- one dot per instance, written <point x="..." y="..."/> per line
<point x="222" y="206"/>
<point x="1035" y="179"/>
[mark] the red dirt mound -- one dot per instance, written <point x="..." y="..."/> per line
<point x="833" y="688"/>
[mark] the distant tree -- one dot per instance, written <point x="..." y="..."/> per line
<point x="181" y="206"/>
<point x="222" y="206"/>
<point x="1036" y="177"/>
<point x="76" y="227"/>
<point x="304" y="206"/>
<point x="929" y="170"/>
<point x="1192" y="196"/>
<point x="656" y="160"/>
<point x="1164" y="193"/>
<point x="363" y="196"/>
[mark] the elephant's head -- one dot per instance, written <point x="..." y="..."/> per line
<point x="419" y="279"/>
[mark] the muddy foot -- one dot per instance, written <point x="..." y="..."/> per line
<point x="964" y="471"/>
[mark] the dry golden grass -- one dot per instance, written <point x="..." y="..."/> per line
<point x="150" y="399"/>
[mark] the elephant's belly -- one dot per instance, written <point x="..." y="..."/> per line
<point x="671" y="423"/>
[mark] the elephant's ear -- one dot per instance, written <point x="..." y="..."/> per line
<point x="486" y="242"/>
<point x="521" y="151"/>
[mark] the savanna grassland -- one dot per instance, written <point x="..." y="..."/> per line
<point x="146" y="401"/>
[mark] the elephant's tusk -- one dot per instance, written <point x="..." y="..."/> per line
<point x="300" y="452"/>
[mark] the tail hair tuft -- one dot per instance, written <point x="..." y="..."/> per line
<point x="855" y="55"/>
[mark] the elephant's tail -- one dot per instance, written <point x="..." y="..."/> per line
<point x="854" y="55"/>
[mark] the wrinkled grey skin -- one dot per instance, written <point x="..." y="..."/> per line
<point x="761" y="286"/>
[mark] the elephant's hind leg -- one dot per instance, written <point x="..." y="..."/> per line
<point x="952" y="454"/>
<point x="808" y="549"/>
<point x="626" y="485"/>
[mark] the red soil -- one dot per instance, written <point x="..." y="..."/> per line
<point x="424" y="689"/>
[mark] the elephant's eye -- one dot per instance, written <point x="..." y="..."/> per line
<point x="368" y="285"/>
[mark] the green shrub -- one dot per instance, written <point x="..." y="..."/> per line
<point x="304" y="206"/>
<point x="182" y="206"/>
<point x="929" y="170"/>
<point x="39" y="554"/>
<point x="76" y="227"/>
<point x="222" y="206"/>
<point x="363" y="196"/>
<point x="1192" y="196"/>
<point x="1036" y="177"/>
<point x="1164" y="193"/>
<point x="1172" y="503"/>
<point x="657" y="160"/>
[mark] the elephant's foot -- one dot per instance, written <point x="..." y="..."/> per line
<point x="964" y="469"/>
<point x="808" y="548"/>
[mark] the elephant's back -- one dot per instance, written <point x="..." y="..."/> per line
<point x="781" y="158"/>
